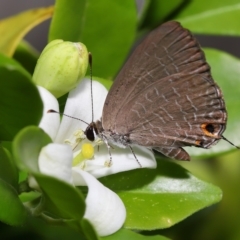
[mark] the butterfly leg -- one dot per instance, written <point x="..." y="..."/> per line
<point x="175" y="153"/>
<point x="108" y="163"/>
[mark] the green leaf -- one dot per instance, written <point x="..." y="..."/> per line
<point x="197" y="6"/>
<point x="26" y="55"/>
<point x="89" y="230"/>
<point x="68" y="14"/>
<point x="226" y="71"/>
<point x="26" y="151"/>
<point x="16" y="93"/>
<point x="127" y="234"/>
<point x="156" y="11"/>
<point x="29" y="196"/>
<point x="11" y="63"/>
<point x="12" y="211"/>
<point x="212" y="17"/>
<point x="107" y="28"/>
<point x="61" y="198"/>
<point x="8" y="170"/>
<point x="164" y="196"/>
<point x="13" y="29"/>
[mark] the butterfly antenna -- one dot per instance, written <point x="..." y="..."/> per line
<point x="140" y="165"/>
<point x="229" y="142"/>
<point x="90" y="66"/>
<point x="53" y="111"/>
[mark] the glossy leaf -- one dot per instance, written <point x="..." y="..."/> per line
<point x="127" y="234"/>
<point x="16" y="92"/>
<point x="11" y="63"/>
<point x="226" y="71"/>
<point x="68" y="14"/>
<point x="107" y="28"/>
<point x="13" y="29"/>
<point x="88" y="230"/>
<point x="29" y="196"/>
<point x="165" y="196"/>
<point x="212" y="17"/>
<point x="198" y="6"/>
<point x="12" y="211"/>
<point x="56" y="193"/>
<point x="26" y="55"/>
<point x="155" y="12"/>
<point x="26" y="152"/>
<point x="8" y="170"/>
<point x="61" y="199"/>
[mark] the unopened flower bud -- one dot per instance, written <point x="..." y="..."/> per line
<point x="61" y="66"/>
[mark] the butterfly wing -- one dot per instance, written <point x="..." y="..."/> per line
<point x="165" y="51"/>
<point x="164" y="86"/>
<point x="187" y="111"/>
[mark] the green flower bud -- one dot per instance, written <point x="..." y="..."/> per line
<point x="61" y="66"/>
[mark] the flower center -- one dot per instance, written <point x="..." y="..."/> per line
<point x="83" y="149"/>
<point x="86" y="152"/>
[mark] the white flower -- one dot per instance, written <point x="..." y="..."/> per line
<point x="72" y="158"/>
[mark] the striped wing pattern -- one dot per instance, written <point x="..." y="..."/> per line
<point x="165" y="97"/>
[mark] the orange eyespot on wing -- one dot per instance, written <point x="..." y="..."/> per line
<point x="208" y="129"/>
<point x="198" y="142"/>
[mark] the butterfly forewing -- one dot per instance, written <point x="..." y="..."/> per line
<point x="164" y="97"/>
<point x="167" y="50"/>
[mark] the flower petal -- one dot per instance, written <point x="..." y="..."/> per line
<point x="50" y="121"/>
<point x="56" y="160"/>
<point x="105" y="210"/>
<point x="79" y="105"/>
<point x="122" y="160"/>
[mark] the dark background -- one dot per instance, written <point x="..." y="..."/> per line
<point x="38" y="36"/>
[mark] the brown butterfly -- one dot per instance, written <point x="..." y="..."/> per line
<point x="164" y="98"/>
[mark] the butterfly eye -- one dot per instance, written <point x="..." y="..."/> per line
<point x="89" y="133"/>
